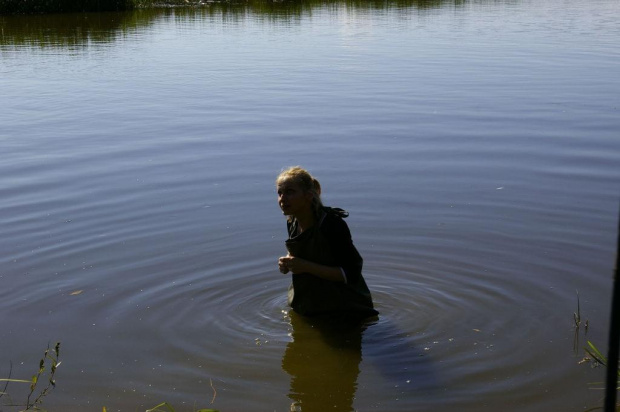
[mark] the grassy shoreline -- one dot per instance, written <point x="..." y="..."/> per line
<point x="29" y="7"/>
<point x="71" y="6"/>
<point x="41" y="7"/>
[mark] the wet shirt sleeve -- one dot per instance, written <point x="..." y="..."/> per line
<point x="347" y="257"/>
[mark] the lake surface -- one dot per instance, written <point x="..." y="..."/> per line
<point x="476" y="145"/>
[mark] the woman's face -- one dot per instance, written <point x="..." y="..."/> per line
<point x="292" y="199"/>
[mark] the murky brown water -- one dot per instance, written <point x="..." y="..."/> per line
<point x="475" y="145"/>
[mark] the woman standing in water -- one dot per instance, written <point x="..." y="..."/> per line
<point x="325" y="265"/>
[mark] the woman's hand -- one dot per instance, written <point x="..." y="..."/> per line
<point x="282" y="265"/>
<point x="299" y="265"/>
<point x="293" y="264"/>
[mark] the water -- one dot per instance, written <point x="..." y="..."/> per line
<point x="475" y="145"/>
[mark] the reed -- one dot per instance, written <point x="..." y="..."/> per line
<point x="578" y="322"/>
<point x="592" y="354"/>
<point x="33" y="401"/>
<point x="48" y="365"/>
<point x="169" y="408"/>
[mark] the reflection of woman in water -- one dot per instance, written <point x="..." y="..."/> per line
<point x="325" y="265"/>
<point x="323" y="361"/>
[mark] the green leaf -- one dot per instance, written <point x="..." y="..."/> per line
<point x="156" y="408"/>
<point x="596" y="354"/>
<point x="33" y="382"/>
<point x="15" y="380"/>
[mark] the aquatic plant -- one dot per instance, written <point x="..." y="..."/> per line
<point x="51" y="357"/>
<point x="51" y="360"/>
<point x="578" y="322"/>
<point x="596" y="356"/>
<point x="169" y="408"/>
<point x="592" y="354"/>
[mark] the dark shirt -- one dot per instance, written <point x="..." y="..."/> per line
<point x="328" y="243"/>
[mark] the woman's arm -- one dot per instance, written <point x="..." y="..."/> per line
<point x="347" y="257"/>
<point x="298" y="265"/>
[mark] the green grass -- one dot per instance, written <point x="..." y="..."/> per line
<point x="66" y="6"/>
<point x="70" y="6"/>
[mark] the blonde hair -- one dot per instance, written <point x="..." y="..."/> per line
<point x="306" y="182"/>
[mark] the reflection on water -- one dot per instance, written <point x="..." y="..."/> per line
<point x="89" y="29"/>
<point x="323" y="361"/>
<point x="72" y="29"/>
<point x="474" y="143"/>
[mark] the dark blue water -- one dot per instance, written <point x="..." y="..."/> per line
<point x="476" y="147"/>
